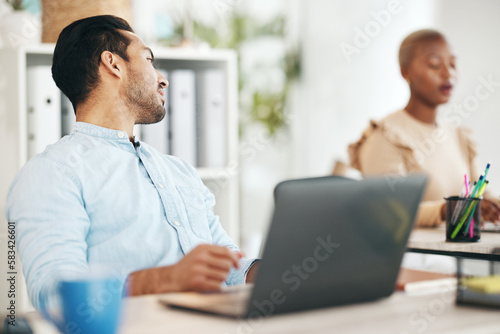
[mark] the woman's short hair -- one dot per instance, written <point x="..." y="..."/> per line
<point x="410" y="43"/>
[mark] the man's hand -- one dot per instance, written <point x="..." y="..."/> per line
<point x="202" y="269"/>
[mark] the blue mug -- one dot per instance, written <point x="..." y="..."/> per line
<point x="88" y="305"/>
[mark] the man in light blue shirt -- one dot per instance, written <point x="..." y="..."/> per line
<point x="99" y="196"/>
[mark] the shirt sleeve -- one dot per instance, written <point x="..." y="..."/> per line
<point x="46" y="205"/>
<point x="378" y="156"/>
<point x="221" y="238"/>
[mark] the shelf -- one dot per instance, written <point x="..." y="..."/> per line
<point x="162" y="53"/>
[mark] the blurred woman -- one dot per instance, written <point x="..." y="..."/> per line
<point x="412" y="140"/>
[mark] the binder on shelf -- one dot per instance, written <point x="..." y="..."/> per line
<point x="212" y="118"/>
<point x="68" y="117"/>
<point x="44" y="109"/>
<point x="183" y="115"/>
<point x="157" y="134"/>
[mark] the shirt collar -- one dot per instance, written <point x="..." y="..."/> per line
<point x="93" y="130"/>
<point x="98" y="131"/>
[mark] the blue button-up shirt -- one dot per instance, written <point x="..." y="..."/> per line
<point x="96" y="198"/>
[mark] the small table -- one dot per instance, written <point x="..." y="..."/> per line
<point x="433" y="241"/>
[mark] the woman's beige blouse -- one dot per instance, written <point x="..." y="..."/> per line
<point x="400" y="144"/>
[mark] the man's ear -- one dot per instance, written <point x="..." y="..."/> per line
<point x="111" y="63"/>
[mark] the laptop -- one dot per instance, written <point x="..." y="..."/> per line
<point x="332" y="241"/>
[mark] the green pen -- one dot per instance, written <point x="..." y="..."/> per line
<point x="478" y="186"/>
<point x="481" y="191"/>
<point x="487" y="170"/>
<point x="470" y="207"/>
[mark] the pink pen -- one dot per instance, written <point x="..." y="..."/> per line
<point x="471" y="226"/>
<point x="466" y="185"/>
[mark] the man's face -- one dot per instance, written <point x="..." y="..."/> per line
<point x="145" y="86"/>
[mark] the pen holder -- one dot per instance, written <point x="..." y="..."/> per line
<point x="463" y="219"/>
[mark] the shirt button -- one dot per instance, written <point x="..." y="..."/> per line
<point x="160" y="185"/>
<point x="121" y="134"/>
<point x="177" y="223"/>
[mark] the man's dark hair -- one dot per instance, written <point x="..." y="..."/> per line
<point x="78" y="53"/>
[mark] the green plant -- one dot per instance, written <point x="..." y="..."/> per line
<point x="265" y="107"/>
<point x="15" y="4"/>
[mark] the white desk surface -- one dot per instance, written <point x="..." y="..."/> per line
<point x="400" y="313"/>
<point x="434" y="239"/>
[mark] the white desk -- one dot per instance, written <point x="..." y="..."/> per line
<point x="399" y="314"/>
<point x="433" y="241"/>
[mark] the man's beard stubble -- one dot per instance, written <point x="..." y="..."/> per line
<point x="144" y="104"/>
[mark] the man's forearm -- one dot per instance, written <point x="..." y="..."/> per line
<point x="202" y="269"/>
<point x="159" y="280"/>
<point x="150" y="281"/>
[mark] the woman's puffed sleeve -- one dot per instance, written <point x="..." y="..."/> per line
<point x="382" y="150"/>
<point x="379" y="151"/>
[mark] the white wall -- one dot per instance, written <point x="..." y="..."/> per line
<point x="473" y="29"/>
